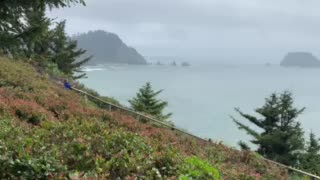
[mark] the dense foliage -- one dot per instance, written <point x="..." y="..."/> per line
<point x="281" y="137"/>
<point x="48" y="132"/>
<point x="26" y="32"/>
<point x="66" y="53"/>
<point x="81" y="148"/>
<point x="311" y="158"/>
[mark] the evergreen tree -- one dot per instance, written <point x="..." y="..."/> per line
<point x="311" y="159"/>
<point x="244" y="146"/>
<point x="25" y="32"/>
<point x="36" y="35"/>
<point x="13" y="18"/>
<point x="146" y="101"/>
<point x="65" y="52"/>
<point x="280" y="136"/>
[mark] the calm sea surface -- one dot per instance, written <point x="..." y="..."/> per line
<point x="202" y="98"/>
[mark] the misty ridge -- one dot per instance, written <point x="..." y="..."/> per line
<point x="300" y="59"/>
<point x="248" y="32"/>
<point x="107" y="48"/>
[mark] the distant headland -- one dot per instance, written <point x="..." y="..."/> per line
<point x="300" y="59"/>
<point x="108" y="48"/>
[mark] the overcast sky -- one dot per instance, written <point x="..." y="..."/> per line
<point x="254" y="31"/>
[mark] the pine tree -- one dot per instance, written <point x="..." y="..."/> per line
<point x="244" y="146"/>
<point x="146" y="101"/>
<point x="13" y="18"/>
<point x="36" y="34"/>
<point x="279" y="136"/>
<point x="311" y="159"/>
<point x="26" y="33"/>
<point x="65" y="52"/>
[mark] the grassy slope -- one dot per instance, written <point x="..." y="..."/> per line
<point x="49" y="131"/>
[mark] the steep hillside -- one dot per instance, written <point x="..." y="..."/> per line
<point x="108" y="48"/>
<point x="50" y="132"/>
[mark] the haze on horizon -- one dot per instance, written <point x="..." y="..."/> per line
<point x="242" y="31"/>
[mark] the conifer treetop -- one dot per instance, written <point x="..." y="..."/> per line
<point x="146" y="101"/>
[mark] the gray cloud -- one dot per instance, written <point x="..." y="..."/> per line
<point x="220" y="29"/>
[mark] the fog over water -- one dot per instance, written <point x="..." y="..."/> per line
<point x="203" y="97"/>
<point x="241" y="31"/>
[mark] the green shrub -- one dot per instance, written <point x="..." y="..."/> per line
<point x="127" y="153"/>
<point x="30" y="114"/>
<point x="20" y="75"/>
<point x="16" y="162"/>
<point x="195" y="168"/>
<point x="53" y="69"/>
<point x="3" y="109"/>
<point x="29" y="168"/>
<point x="167" y="161"/>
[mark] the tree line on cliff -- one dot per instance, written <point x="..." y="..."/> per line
<point x="27" y="33"/>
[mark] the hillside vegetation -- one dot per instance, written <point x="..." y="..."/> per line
<point x="50" y="132"/>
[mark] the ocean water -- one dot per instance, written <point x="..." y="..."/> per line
<point x="202" y="98"/>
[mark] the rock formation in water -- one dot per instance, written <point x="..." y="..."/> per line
<point x="300" y="59"/>
<point x="107" y="48"/>
<point x="185" y="64"/>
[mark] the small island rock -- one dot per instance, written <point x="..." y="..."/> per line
<point x="300" y="59"/>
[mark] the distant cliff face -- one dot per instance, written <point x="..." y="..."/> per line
<point x="300" y="59"/>
<point x="107" y="48"/>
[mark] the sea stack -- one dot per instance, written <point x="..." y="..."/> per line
<point x="300" y="59"/>
<point x="185" y="64"/>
